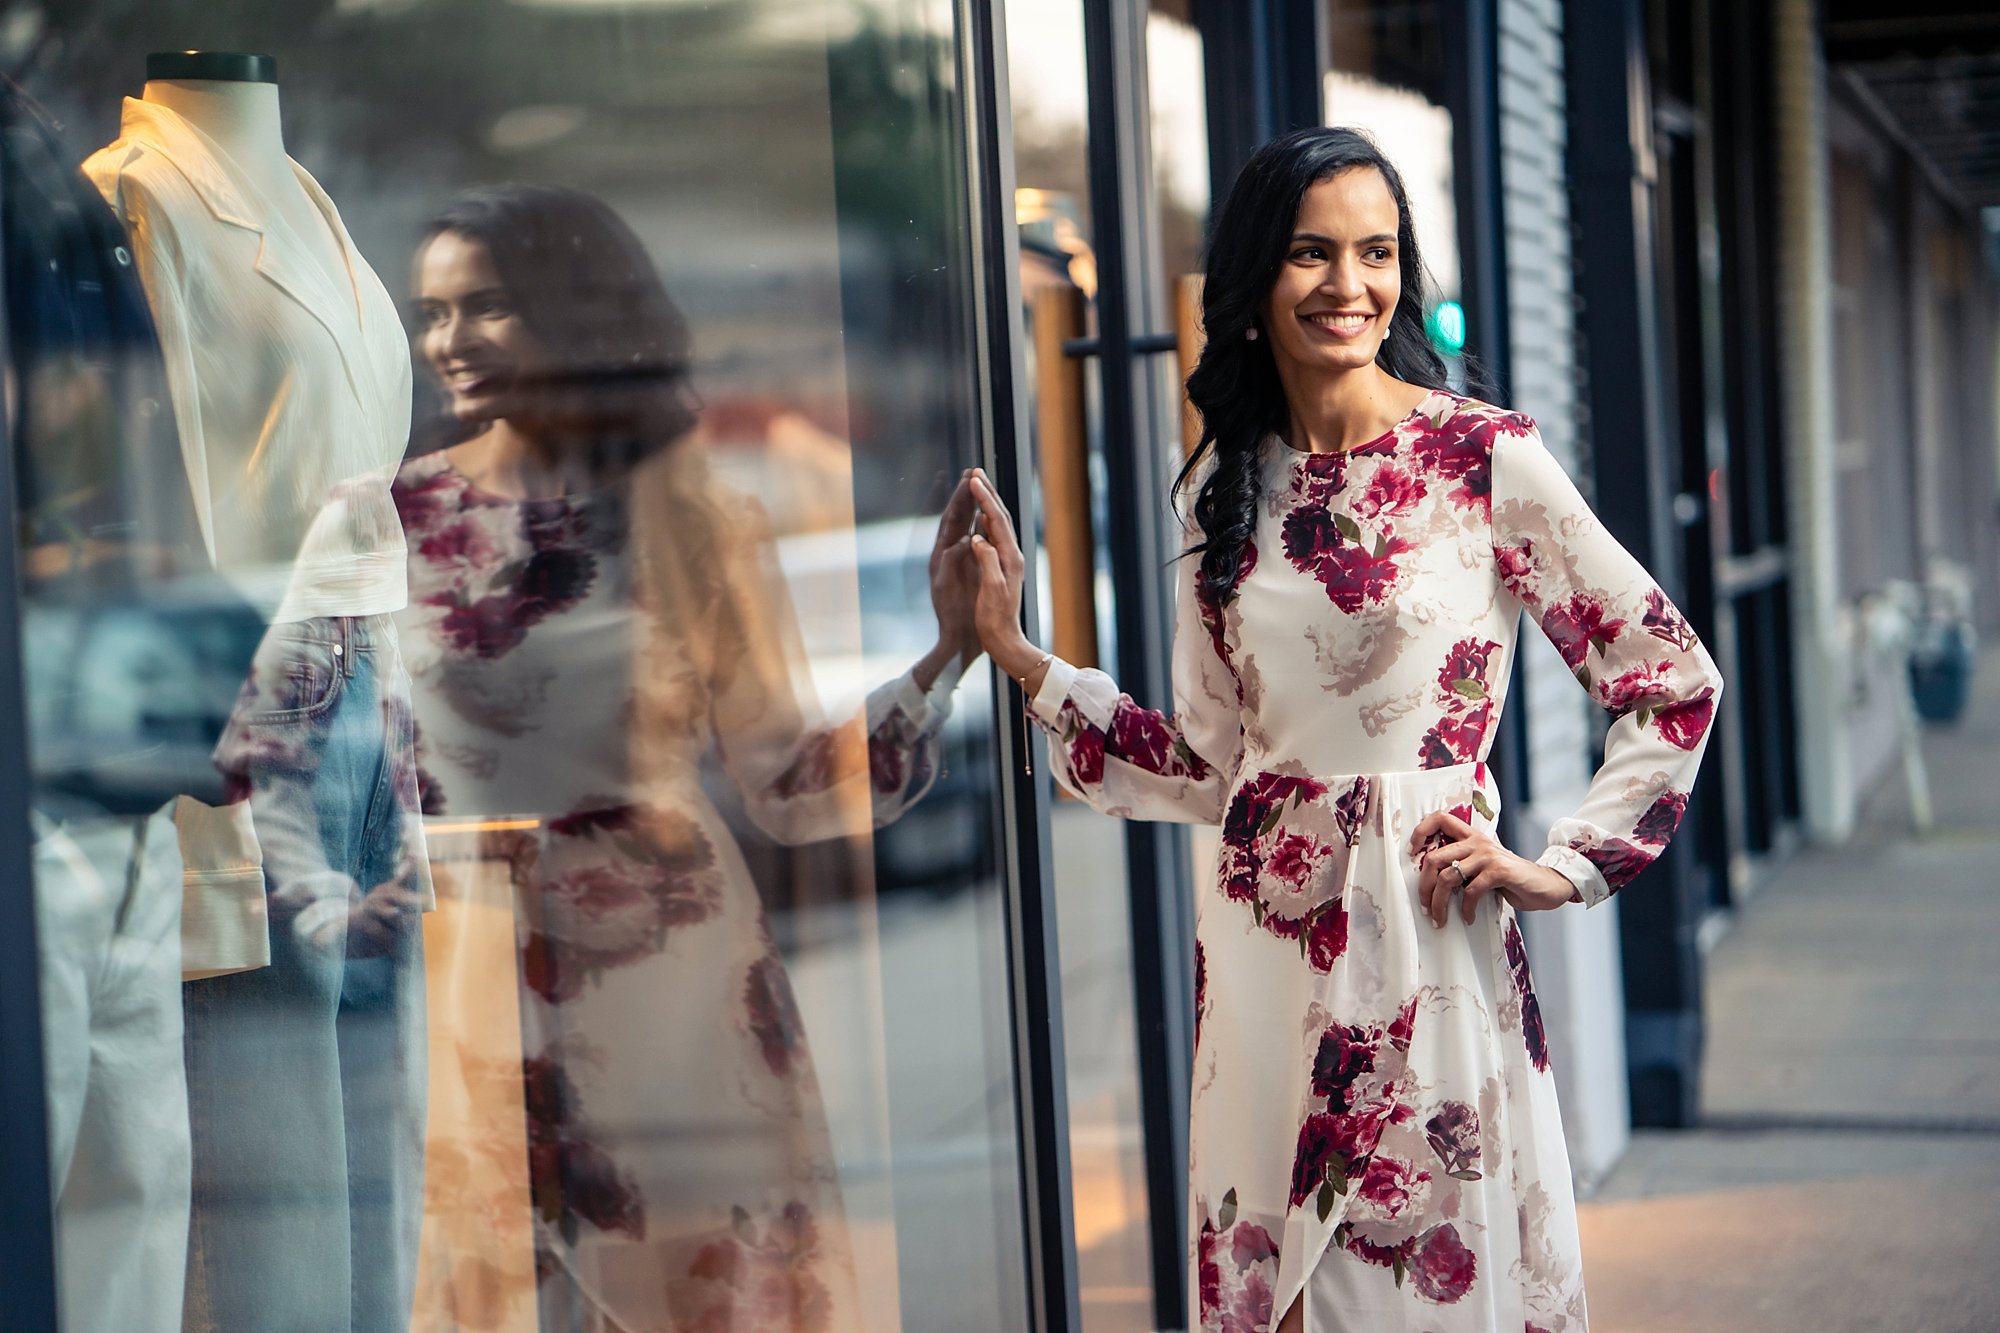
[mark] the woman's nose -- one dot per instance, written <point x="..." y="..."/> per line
<point x="456" y="335"/>
<point x="1342" y="279"/>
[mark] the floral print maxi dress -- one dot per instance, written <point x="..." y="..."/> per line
<point x="643" y="1148"/>
<point x="1374" y="1122"/>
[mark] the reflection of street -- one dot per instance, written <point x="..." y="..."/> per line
<point x="1851" y="1091"/>
<point x="946" y="1091"/>
<point x="950" y="1083"/>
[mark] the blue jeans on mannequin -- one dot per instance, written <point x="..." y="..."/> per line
<point x="306" y="1078"/>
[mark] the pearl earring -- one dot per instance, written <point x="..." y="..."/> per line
<point x="1251" y="333"/>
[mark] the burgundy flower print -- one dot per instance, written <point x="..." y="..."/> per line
<point x="885" y="767"/>
<point x="1460" y="448"/>
<point x="759" y="1276"/>
<point x="1086" y="753"/>
<point x="1311" y="536"/>
<point x="1441" y="1267"/>
<point x="1637" y="687"/>
<point x="1345" y="1053"/>
<point x="1200" y="989"/>
<point x="1463" y="674"/>
<point x="1332" y="548"/>
<point x="1325" y="936"/>
<point x="1252" y="1245"/>
<point x="1664" y="621"/>
<point x="1453" y="1134"/>
<point x="1579" y="625"/>
<point x="1456" y="737"/>
<point x="1212" y="611"/>
<point x="1236" y="1262"/>
<point x="1356" y="577"/>
<point x="571" y="1179"/>
<point x="1391" y="492"/>
<point x="1351" y="810"/>
<point x="774" y="1015"/>
<point x="1686" y="722"/>
<point x="1315" y="1154"/>
<point x="1531" y="1008"/>
<point x="1293" y="858"/>
<point x="898" y="760"/>
<point x="1142" y="737"/>
<point x="1662" y="817"/>
<point x="1616" y="859"/>
<point x="1259" y="801"/>
<point x="1516" y="562"/>
<point x="1404" y="1030"/>
<point x="1390" y="1185"/>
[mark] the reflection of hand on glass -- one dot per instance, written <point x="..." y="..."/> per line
<point x="954" y="572"/>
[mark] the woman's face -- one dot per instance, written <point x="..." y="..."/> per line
<point x="1342" y="276"/>
<point x="469" y="332"/>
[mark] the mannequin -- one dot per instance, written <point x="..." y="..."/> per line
<point x="233" y="99"/>
<point x="289" y="374"/>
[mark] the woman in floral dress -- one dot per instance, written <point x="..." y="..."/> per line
<point x="626" y="1133"/>
<point x="1375" y="1142"/>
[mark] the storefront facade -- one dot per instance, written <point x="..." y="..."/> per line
<point x="912" y="1041"/>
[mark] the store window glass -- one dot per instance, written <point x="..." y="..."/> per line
<point x="1386" y="75"/>
<point x="1059" y="284"/>
<point x="516" y="838"/>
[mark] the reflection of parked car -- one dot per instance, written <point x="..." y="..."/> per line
<point x="126" y="697"/>
<point x="863" y="599"/>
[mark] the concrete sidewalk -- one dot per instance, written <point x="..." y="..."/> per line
<point x="1847" y="1175"/>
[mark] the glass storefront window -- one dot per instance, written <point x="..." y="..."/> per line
<point x="1059" y="277"/>
<point x="1386" y="75"/>
<point x="499" y="724"/>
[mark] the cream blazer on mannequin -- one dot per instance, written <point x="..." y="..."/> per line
<point x="292" y="395"/>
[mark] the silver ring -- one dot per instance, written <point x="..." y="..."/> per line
<point x="1459" y="866"/>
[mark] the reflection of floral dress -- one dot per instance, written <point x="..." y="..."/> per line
<point x="667" y="1145"/>
<point x="1375" y="1124"/>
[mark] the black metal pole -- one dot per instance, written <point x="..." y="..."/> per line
<point x="27" y="1211"/>
<point x="1041" y="1091"/>
<point x="1161" y="907"/>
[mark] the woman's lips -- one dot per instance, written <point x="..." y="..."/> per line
<point x="1343" y="328"/>
<point x="469" y="384"/>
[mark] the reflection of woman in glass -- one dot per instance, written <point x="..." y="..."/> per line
<point x="590" y="615"/>
<point x="1375" y="1143"/>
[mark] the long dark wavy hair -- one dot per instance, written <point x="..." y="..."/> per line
<point x="1235" y="385"/>
<point x="617" y="349"/>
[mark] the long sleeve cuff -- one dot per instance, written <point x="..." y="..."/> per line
<point x="1048" y="700"/>
<point x="1572" y="865"/>
<point x="926" y="709"/>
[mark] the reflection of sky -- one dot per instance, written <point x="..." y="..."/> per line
<point x="1415" y="134"/>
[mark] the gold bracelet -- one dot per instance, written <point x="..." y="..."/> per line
<point x="1022" y="679"/>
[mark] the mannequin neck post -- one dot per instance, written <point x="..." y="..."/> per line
<point x="242" y="118"/>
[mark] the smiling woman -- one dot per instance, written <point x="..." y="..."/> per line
<point x="1375" y="1141"/>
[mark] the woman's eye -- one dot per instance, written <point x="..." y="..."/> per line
<point x="495" y="310"/>
<point x="1378" y="254"/>
<point x="431" y="316"/>
<point x="1310" y="252"/>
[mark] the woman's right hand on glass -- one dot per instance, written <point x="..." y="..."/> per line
<point x="997" y="615"/>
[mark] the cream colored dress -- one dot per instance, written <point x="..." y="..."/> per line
<point x="1374" y="1122"/>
